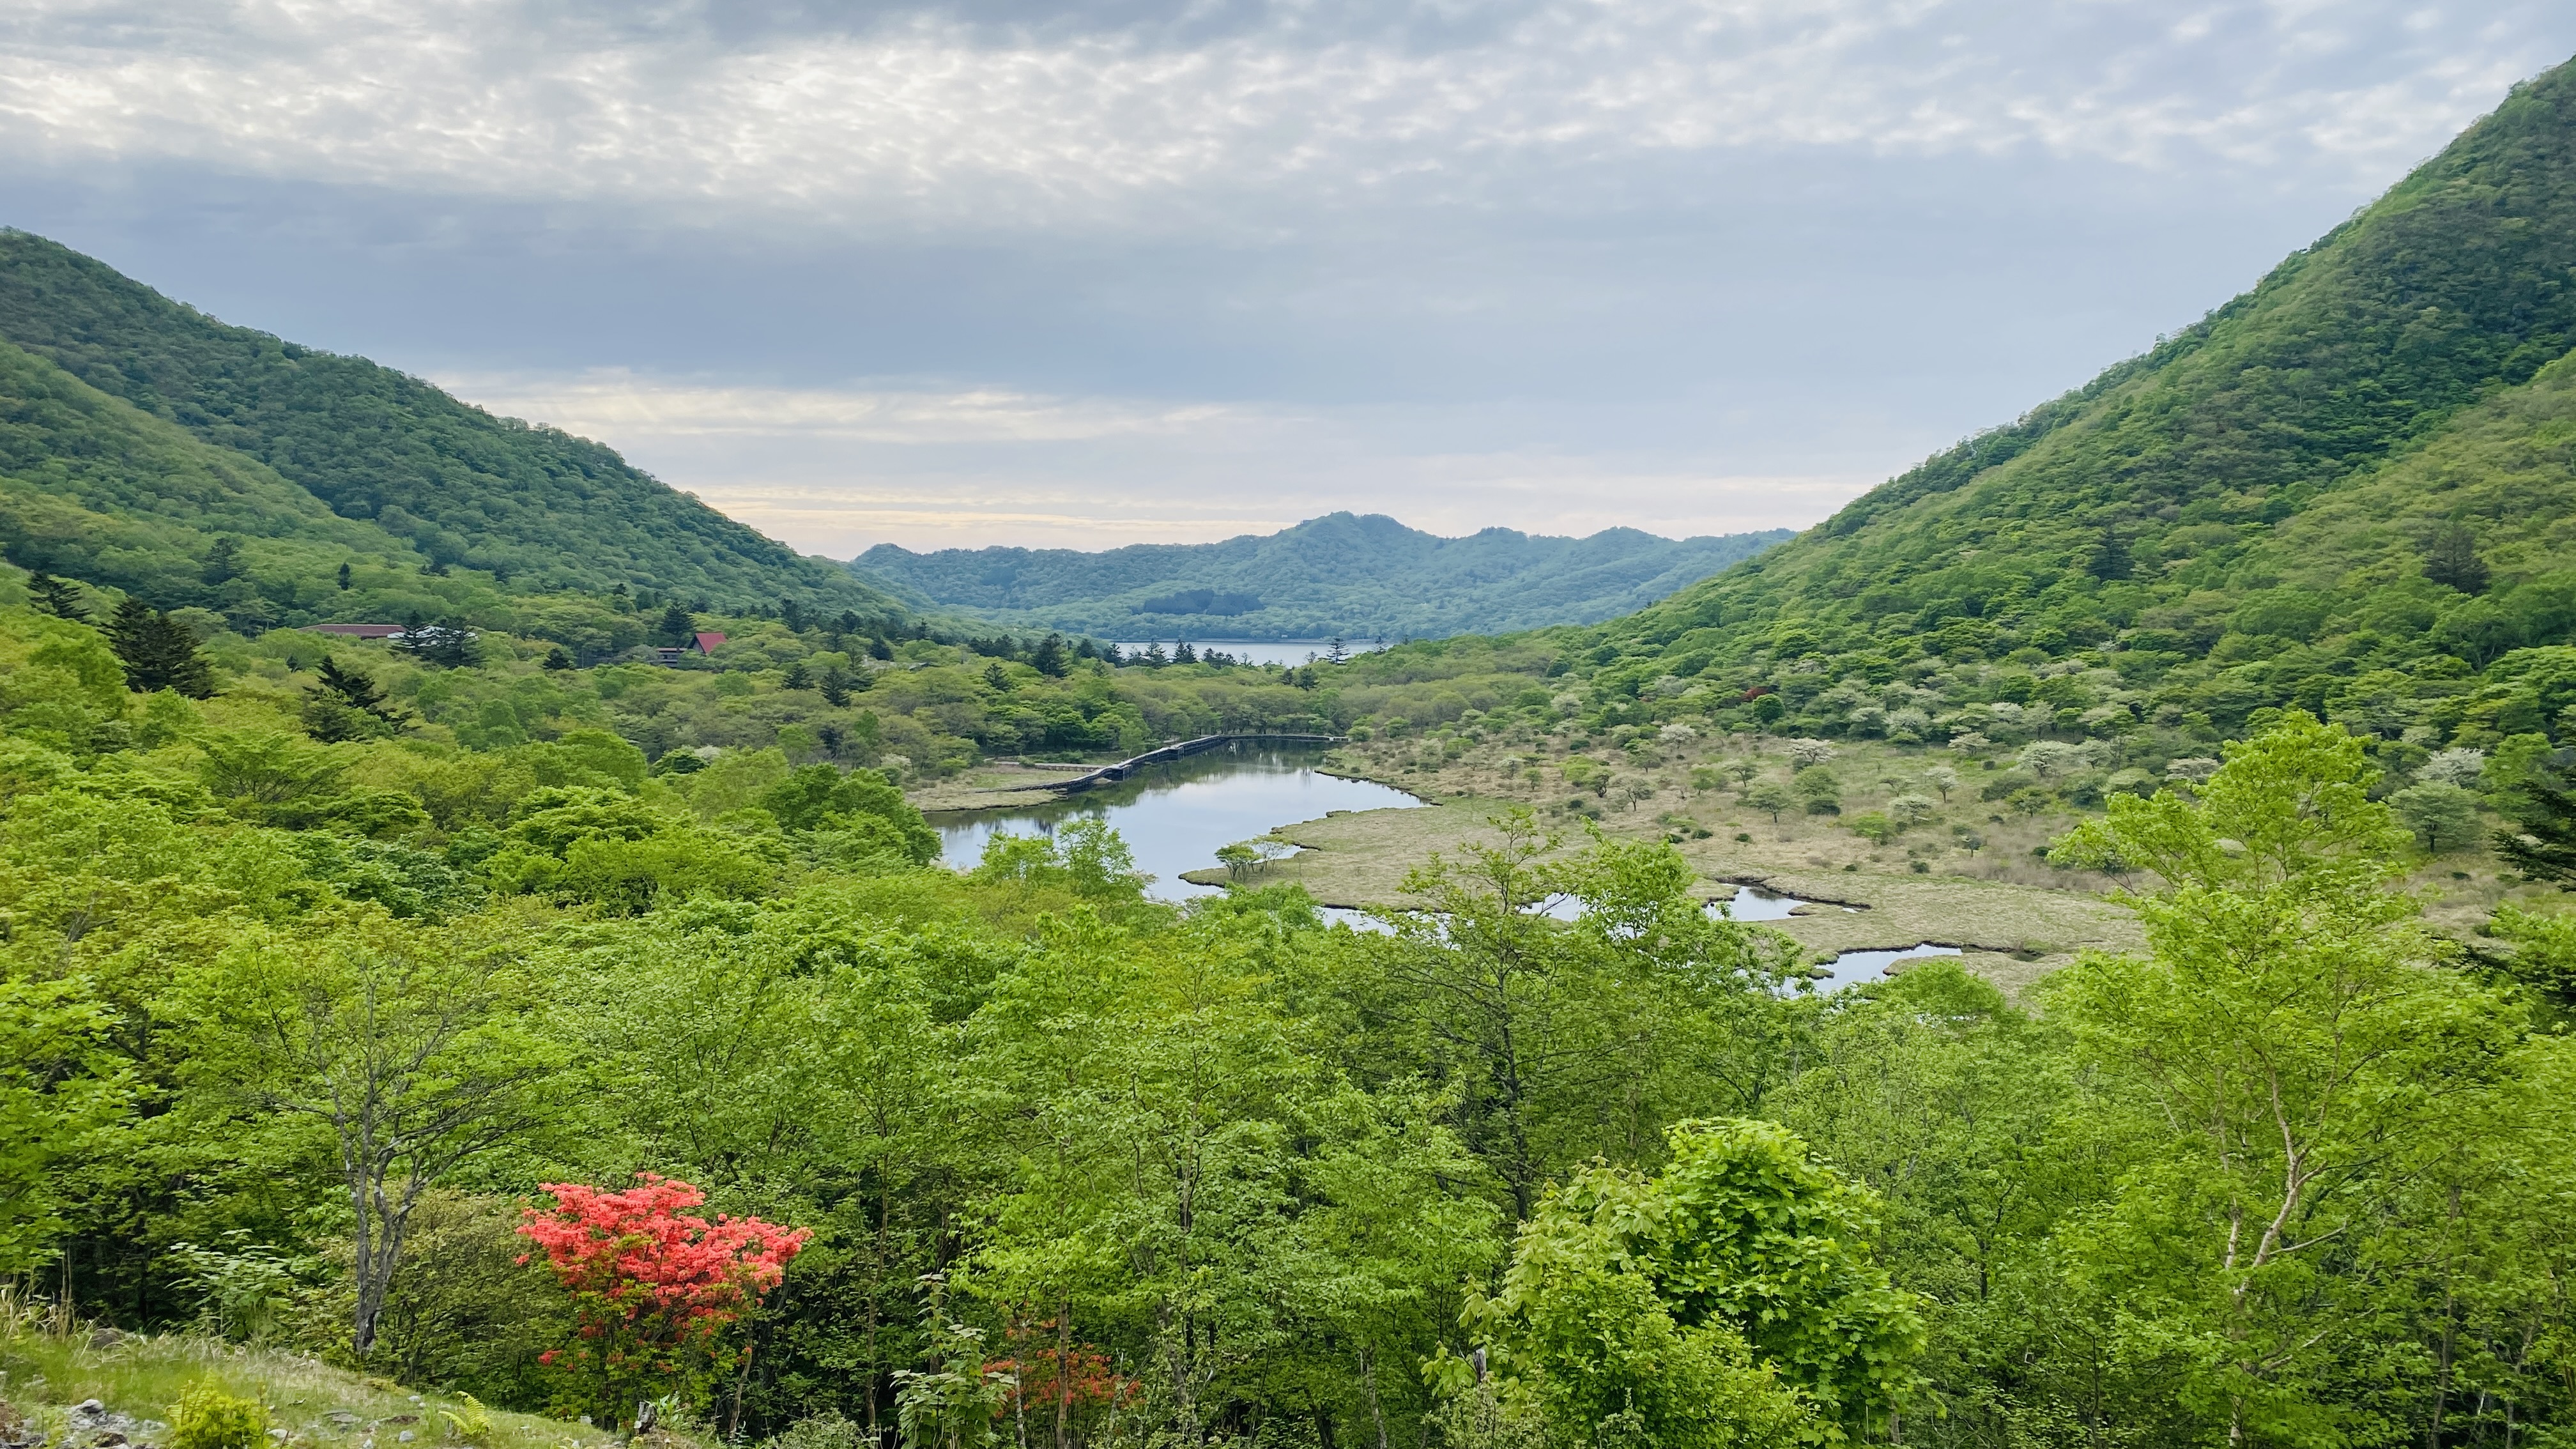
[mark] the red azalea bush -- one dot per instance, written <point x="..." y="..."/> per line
<point x="1056" y="1382"/>
<point x="653" y="1286"/>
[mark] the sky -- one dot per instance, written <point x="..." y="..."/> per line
<point x="1126" y="271"/>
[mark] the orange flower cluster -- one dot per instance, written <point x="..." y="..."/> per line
<point x="652" y="1284"/>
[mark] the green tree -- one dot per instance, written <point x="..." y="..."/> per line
<point x="857" y="803"/>
<point x="61" y="1087"/>
<point x="1733" y="1298"/>
<point x="223" y="561"/>
<point x="1817" y="786"/>
<point x="1770" y="797"/>
<point x="2544" y="847"/>
<point x="2443" y="817"/>
<point x="441" y="646"/>
<point x="418" y="1050"/>
<point x="158" y="651"/>
<point x="58" y="597"/>
<point x="2290" y="1023"/>
<point x="2451" y="558"/>
<point x="348" y="705"/>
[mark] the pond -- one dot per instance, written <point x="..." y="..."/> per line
<point x="1175" y="816"/>
<point x="1753" y="903"/>
<point x="1853" y="967"/>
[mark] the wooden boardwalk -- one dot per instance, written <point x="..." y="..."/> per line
<point x="1112" y="774"/>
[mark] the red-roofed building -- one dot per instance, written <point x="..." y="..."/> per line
<point x="705" y="643"/>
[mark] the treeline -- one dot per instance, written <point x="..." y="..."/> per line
<point x="878" y="691"/>
<point x="1082" y="1168"/>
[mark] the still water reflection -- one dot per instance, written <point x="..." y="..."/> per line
<point x="1175" y="816"/>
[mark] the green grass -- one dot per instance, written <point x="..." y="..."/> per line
<point x="43" y="1373"/>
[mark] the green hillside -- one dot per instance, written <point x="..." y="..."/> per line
<point x="1360" y="577"/>
<point x="2348" y="489"/>
<point x="94" y="489"/>
<point x="534" y="509"/>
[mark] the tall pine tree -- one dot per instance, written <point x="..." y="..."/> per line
<point x="158" y="651"/>
<point x="58" y="597"/>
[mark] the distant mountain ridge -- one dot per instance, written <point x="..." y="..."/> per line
<point x="1359" y="576"/>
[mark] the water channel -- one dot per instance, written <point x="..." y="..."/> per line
<point x="1175" y="816"/>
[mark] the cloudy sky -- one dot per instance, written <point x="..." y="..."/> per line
<point x="1084" y="274"/>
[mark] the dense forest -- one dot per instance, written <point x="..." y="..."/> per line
<point x="1338" y="575"/>
<point x="358" y="1046"/>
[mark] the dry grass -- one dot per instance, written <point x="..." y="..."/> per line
<point x="990" y="787"/>
<point x="2018" y="917"/>
<point x="44" y="1372"/>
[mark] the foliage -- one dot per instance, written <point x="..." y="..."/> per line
<point x="208" y="1418"/>
<point x="158" y="651"/>
<point x="653" y="1285"/>
<point x="1727" y="1300"/>
<point x="61" y="1088"/>
<point x="243" y="1290"/>
<point x="2287" y="1024"/>
<point x="409" y="1045"/>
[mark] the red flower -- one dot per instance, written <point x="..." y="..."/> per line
<point x="653" y="1285"/>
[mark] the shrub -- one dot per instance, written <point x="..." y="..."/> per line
<point x="208" y="1418"/>
<point x="652" y="1284"/>
<point x="1873" y="826"/>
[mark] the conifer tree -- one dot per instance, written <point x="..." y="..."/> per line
<point x="441" y="646"/>
<point x="58" y="597"/>
<point x="223" y="561"/>
<point x="158" y="652"/>
<point x="348" y="705"/>
<point x="2451" y="557"/>
<point x="2542" y="844"/>
<point x="677" y="626"/>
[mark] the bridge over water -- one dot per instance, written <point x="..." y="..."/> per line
<point x="1182" y="749"/>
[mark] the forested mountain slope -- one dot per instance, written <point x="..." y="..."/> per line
<point x="1339" y="574"/>
<point x="2354" y="479"/>
<point x="530" y="506"/>
<point x="93" y="489"/>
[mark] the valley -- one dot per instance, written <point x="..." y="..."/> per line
<point x="488" y="941"/>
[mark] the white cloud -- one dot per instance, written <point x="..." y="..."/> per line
<point x="1684" y="265"/>
<point x="835" y="471"/>
<point x="931" y="122"/>
<point x="621" y="402"/>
